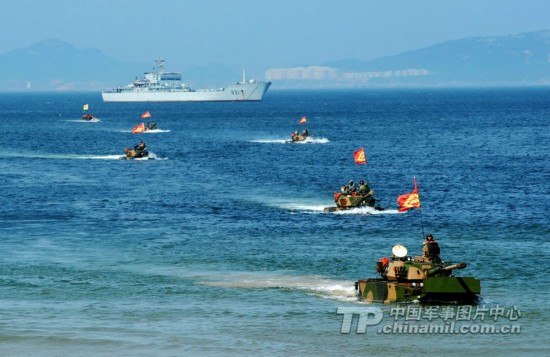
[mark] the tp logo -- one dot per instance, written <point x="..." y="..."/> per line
<point x="368" y="315"/>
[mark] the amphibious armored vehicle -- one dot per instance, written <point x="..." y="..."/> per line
<point x="426" y="279"/>
<point x="297" y="137"/>
<point x="135" y="153"/>
<point x="348" y="201"/>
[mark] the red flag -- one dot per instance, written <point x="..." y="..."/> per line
<point x="138" y="129"/>
<point x="303" y="120"/>
<point x="359" y="156"/>
<point x="145" y="115"/>
<point x="409" y="200"/>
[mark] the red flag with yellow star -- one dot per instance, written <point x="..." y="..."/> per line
<point x="409" y="200"/>
<point x="359" y="156"/>
<point x="140" y="128"/>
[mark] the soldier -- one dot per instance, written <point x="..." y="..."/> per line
<point x="363" y="188"/>
<point x="351" y="187"/>
<point x="430" y="248"/>
<point x="139" y="148"/>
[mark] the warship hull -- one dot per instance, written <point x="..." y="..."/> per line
<point x="232" y="93"/>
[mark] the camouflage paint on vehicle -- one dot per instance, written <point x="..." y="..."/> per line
<point x="346" y="201"/>
<point x="134" y="154"/>
<point x="298" y="137"/>
<point x="423" y="279"/>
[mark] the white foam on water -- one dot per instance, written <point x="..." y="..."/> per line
<point x="301" y="207"/>
<point x="155" y="131"/>
<point x="152" y="156"/>
<point x="319" y="208"/>
<point x="269" y="141"/>
<point x="31" y="155"/>
<point x="309" y="140"/>
<point x="94" y="120"/>
<point x="102" y="157"/>
<point x="314" y="140"/>
<point x="365" y="210"/>
<point x="341" y="290"/>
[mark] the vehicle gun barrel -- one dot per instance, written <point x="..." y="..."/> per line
<point x="437" y="270"/>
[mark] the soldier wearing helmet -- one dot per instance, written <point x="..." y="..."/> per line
<point x="363" y="188"/>
<point x="351" y="186"/>
<point x="430" y="248"/>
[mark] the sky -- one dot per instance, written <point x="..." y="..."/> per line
<point x="261" y="34"/>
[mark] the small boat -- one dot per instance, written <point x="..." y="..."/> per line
<point x="88" y="116"/>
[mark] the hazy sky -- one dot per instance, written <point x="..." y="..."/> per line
<point x="261" y="34"/>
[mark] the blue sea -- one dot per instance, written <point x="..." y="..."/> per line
<point x="220" y="246"/>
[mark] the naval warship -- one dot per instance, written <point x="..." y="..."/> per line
<point x="163" y="86"/>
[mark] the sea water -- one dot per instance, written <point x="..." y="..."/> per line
<point x="220" y="245"/>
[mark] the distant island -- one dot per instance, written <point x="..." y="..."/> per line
<point x="513" y="60"/>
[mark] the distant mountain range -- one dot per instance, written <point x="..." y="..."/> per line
<point x="53" y="65"/>
<point x="56" y="65"/>
<point x="522" y="59"/>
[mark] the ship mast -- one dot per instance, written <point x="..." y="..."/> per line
<point x="244" y="76"/>
<point x="160" y="64"/>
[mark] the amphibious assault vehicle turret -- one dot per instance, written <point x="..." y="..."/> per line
<point x="425" y="279"/>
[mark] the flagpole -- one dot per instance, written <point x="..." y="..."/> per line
<point x="366" y="176"/>
<point x="366" y="173"/>
<point x="411" y="200"/>
<point x="422" y="222"/>
<point x="420" y="208"/>
<point x="361" y="160"/>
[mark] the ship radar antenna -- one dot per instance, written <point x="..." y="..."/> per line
<point x="160" y="64"/>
